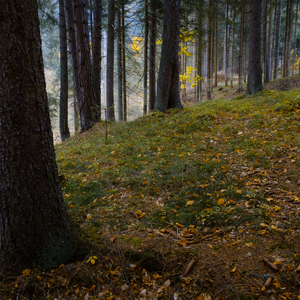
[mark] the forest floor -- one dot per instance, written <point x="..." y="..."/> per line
<point x="200" y="203"/>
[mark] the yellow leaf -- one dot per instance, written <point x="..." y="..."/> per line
<point x="249" y="244"/>
<point x="204" y="296"/>
<point x="182" y="243"/>
<point x="263" y="289"/>
<point x="277" y="284"/>
<point x="233" y="270"/>
<point x="221" y="201"/>
<point x="277" y="262"/>
<point x="39" y="278"/>
<point x="189" y="203"/>
<point x="210" y="246"/>
<point x="26" y="272"/>
<point x="179" y="225"/>
<point x="238" y="191"/>
<point x="274" y="227"/>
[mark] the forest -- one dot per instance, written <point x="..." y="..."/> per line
<point x="149" y="149"/>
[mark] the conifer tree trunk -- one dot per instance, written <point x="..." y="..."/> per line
<point x="119" y="64"/>
<point x="152" y="55"/>
<point x="35" y="229"/>
<point x="254" y="83"/>
<point x="295" y="38"/>
<point x="110" y="62"/>
<point x="216" y="46"/>
<point x="146" y="60"/>
<point x="232" y="50"/>
<point x="124" y="63"/>
<point x="199" y="49"/>
<point x="265" y="41"/>
<point x="277" y="39"/>
<point x="241" y="48"/>
<point x="97" y="55"/>
<point x="209" y="51"/>
<point x="63" y="102"/>
<point x="225" y="67"/>
<point x="168" y="95"/>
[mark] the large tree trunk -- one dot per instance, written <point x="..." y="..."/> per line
<point x="152" y="55"/>
<point x="110" y="112"/>
<point x="97" y="55"/>
<point x="216" y="47"/>
<point x="35" y="229"/>
<point x="63" y="101"/>
<point x="265" y="41"/>
<point x="254" y="84"/>
<point x="168" y="95"/>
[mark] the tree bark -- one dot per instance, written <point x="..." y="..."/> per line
<point x="146" y="60"/>
<point x="216" y="46"/>
<point x="124" y="63"/>
<point x="254" y="83"/>
<point x="295" y="38"/>
<point x="200" y="49"/>
<point x="168" y="95"/>
<point x="110" y="62"/>
<point x="119" y="64"/>
<point x="232" y="50"/>
<point x="225" y="67"/>
<point x="277" y="40"/>
<point x="63" y="100"/>
<point x="35" y="229"/>
<point x="209" y="51"/>
<point x="241" y="48"/>
<point x="152" y="55"/>
<point x="97" y="55"/>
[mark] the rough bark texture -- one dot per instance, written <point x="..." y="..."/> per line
<point x="97" y="54"/>
<point x="63" y="101"/>
<point x="241" y="48"/>
<point x="168" y="95"/>
<point x="152" y="62"/>
<point x="199" y="48"/>
<point x="88" y="106"/>
<point x="110" y="112"/>
<point x="254" y="84"/>
<point x="35" y="229"/>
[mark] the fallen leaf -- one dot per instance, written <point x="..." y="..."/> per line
<point x="233" y="270"/>
<point x="221" y="201"/>
<point x="182" y="243"/>
<point x="179" y="225"/>
<point x="189" y="203"/>
<point x="249" y="244"/>
<point x="204" y="296"/>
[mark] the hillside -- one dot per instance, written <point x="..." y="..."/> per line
<point x="184" y="205"/>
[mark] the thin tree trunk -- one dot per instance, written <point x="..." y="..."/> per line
<point x="97" y="55"/>
<point x="119" y="63"/>
<point x="241" y="47"/>
<point x="265" y="41"/>
<point x="269" y="45"/>
<point x="200" y="49"/>
<point x="287" y="37"/>
<point x="124" y="63"/>
<point x="146" y="60"/>
<point x="110" y="112"/>
<point x="232" y="50"/>
<point x="277" y="40"/>
<point x="209" y="52"/>
<point x="295" y="38"/>
<point x="152" y="63"/>
<point x="225" y="67"/>
<point x="63" y="105"/>
<point x="216" y="47"/>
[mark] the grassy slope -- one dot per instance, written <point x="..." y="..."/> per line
<point x="216" y="183"/>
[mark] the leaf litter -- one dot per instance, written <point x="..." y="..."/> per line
<point x="202" y="203"/>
